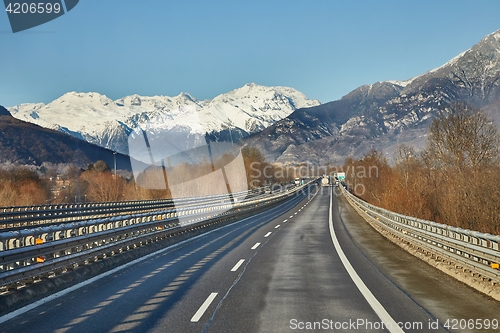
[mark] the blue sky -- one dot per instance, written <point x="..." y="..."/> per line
<point x="155" y="47"/>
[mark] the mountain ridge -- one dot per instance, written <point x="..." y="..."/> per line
<point x="384" y="114"/>
<point x="100" y="120"/>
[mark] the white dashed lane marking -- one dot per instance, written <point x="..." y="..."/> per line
<point x="203" y="308"/>
<point x="238" y="264"/>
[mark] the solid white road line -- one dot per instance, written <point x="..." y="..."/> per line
<point x="381" y="312"/>
<point x="276" y="227"/>
<point x="255" y="246"/>
<point x="203" y="308"/>
<point x="238" y="264"/>
<point x="267" y="235"/>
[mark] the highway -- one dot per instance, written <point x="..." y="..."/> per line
<point x="311" y="264"/>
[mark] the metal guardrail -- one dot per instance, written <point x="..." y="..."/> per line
<point x="28" y="253"/>
<point x="19" y="217"/>
<point x="476" y="251"/>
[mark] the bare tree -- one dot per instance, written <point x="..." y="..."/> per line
<point x="405" y="159"/>
<point x="99" y="166"/>
<point x="102" y="186"/>
<point x="462" y="155"/>
<point x="462" y="137"/>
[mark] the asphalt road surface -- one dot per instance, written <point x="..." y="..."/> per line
<point x="310" y="265"/>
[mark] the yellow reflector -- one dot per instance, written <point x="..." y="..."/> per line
<point x="40" y="259"/>
<point x="38" y="241"/>
<point x="495" y="266"/>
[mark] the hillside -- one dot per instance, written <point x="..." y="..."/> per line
<point x="26" y="143"/>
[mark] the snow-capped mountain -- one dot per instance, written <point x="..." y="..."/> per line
<point x="98" y="119"/>
<point x="385" y="114"/>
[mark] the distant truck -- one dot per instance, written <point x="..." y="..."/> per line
<point x="297" y="181"/>
<point x="341" y="176"/>
<point x="325" y="181"/>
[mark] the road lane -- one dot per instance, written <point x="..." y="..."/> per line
<point x="385" y="317"/>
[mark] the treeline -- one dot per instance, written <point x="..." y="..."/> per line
<point x="20" y="186"/>
<point x="455" y="180"/>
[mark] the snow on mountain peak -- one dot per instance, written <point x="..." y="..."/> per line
<point x="401" y="83"/>
<point x="495" y="35"/>
<point x="254" y="92"/>
<point x="105" y="122"/>
<point x="82" y="98"/>
<point x="184" y="96"/>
